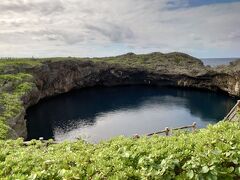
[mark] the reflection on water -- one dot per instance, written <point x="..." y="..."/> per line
<point x="96" y="114"/>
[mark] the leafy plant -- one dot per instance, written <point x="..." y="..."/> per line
<point x="211" y="153"/>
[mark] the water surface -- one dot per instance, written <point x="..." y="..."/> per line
<point x="101" y="113"/>
<point x="217" y="61"/>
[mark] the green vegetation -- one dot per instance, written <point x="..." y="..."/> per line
<point x="14" y="84"/>
<point x="211" y="153"/>
<point x="14" y="65"/>
<point x="11" y="105"/>
<point x="150" y="61"/>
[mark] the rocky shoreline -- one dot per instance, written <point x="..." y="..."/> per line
<point x="56" y="77"/>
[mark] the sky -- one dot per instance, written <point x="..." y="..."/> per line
<point x="96" y="28"/>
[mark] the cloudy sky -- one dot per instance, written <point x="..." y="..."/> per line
<point x="44" y="28"/>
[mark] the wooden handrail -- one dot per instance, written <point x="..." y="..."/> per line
<point x="168" y="130"/>
<point x="233" y="112"/>
<point x="41" y="139"/>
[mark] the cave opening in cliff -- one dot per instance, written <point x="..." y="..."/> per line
<point x="101" y="113"/>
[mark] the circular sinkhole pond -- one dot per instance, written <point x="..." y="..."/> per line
<point x="101" y="113"/>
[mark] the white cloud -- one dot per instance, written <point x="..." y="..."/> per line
<point x="108" y="27"/>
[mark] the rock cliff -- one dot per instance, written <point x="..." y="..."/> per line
<point x="54" y="77"/>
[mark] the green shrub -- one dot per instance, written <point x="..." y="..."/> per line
<point x="211" y="153"/>
<point x="13" y="87"/>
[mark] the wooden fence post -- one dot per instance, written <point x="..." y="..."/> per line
<point x="194" y="126"/>
<point x="167" y="131"/>
<point x="41" y="139"/>
<point x="136" y="136"/>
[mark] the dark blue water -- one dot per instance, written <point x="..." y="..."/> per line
<point x="217" y="61"/>
<point x="96" y="114"/>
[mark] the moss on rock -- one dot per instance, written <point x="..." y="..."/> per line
<point x="14" y="84"/>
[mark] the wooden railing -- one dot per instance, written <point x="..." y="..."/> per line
<point x="233" y="113"/>
<point x="230" y="116"/>
<point x="27" y="143"/>
<point x="167" y="131"/>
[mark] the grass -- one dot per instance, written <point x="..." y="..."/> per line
<point x="11" y="65"/>
<point x="148" y="61"/>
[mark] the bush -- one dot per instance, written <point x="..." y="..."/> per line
<point x="211" y="153"/>
<point x="12" y="88"/>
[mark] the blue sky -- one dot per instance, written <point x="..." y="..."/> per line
<point x="43" y="28"/>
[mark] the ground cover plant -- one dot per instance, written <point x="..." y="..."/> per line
<point x="211" y="153"/>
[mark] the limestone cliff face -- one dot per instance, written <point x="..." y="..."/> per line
<point x="59" y="77"/>
<point x="17" y="126"/>
<point x="54" y="78"/>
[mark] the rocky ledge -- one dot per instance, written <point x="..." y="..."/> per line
<point x="56" y="76"/>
